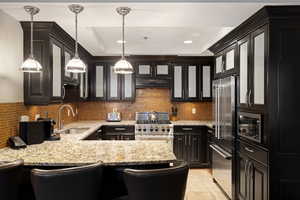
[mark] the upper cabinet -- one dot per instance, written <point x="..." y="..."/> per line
<point x="225" y="62"/>
<point x="191" y="82"/>
<point x="152" y="73"/>
<point x="53" y="48"/>
<point x="251" y="58"/>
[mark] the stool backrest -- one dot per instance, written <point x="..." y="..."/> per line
<point x="158" y="184"/>
<point x="77" y="183"/>
<point x="10" y="175"/>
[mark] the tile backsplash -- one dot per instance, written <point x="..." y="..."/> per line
<point x="146" y="100"/>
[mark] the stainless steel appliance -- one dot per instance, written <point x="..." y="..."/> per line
<point x="250" y="126"/>
<point x="224" y="120"/>
<point x="153" y="126"/>
<point x="113" y="116"/>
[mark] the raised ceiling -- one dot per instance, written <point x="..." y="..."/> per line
<point x="166" y="25"/>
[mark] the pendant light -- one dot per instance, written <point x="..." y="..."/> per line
<point x="31" y="64"/>
<point x="123" y="66"/>
<point x="76" y="65"/>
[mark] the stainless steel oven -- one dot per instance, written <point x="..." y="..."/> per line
<point x="250" y="126"/>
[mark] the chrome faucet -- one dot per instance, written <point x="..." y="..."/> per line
<point x="59" y="120"/>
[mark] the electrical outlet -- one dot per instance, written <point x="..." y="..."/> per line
<point x="76" y="111"/>
<point x="37" y="116"/>
<point x="194" y="111"/>
<point x="69" y="113"/>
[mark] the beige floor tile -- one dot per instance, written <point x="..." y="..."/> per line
<point x="201" y="187"/>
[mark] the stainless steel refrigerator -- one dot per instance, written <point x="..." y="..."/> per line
<point x="224" y="120"/>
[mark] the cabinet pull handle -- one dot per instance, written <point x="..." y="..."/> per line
<point x="249" y="150"/>
<point x="187" y="129"/>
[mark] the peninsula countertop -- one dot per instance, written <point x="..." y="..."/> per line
<point x="71" y="150"/>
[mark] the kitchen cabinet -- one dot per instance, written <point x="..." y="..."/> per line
<point x="252" y="173"/>
<point x="191" y="145"/>
<point x="191" y="82"/>
<point x="120" y="87"/>
<point x="118" y="133"/>
<point x="98" y="79"/>
<point x="251" y="56"/>
<point x="52" y="48"/>
<point x="225" y="62"/>
<point x="151" y="74"/>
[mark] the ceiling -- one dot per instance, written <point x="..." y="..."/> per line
<point x="166" y="25"/>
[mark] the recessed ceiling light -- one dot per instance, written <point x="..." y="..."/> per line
<point x="121" y="41"/>
<point x="188" y="42"/>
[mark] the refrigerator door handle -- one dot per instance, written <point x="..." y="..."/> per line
<point x="220" y="152"/>
<point x="219" y="113"/>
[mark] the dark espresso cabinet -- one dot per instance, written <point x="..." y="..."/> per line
<point x="191" y="82"/>
<point x="53" y="48"/>
<point x="191" y="145"/>
<point x="225" y="62"/>
<point x="267" y="60"/>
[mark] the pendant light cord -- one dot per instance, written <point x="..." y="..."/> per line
<point x="31" y="35"/>
<point x="76" y="29"/>
<point x="123" y="37"/>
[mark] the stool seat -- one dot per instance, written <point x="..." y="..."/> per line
<point x="10" y="175"/>
<point x="158" y="184"/>
<point x="76" y="183"/>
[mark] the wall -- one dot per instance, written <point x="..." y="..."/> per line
<point x="146" y="100"/>
<point x="11" y="56"/>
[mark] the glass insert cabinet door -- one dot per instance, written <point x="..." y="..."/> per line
<point x="219" y="64"/>
<point x="99" y="82"/>
<point x="144" y="70"/>
<point x="259" y="69"/>
<point x="206" y="82"/>
<point x="177" y="81"/>
<point x="229" y="60"/>
<point x="67" y="59"/>
<point x="162" y="70"/>
<point x="243" y="52"/>
<point x="56" y="71"/>
<point x="128" y="87"/>
<point x="192" y="82"/>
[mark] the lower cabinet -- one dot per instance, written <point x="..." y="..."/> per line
<point x="117" y="136"/>
<point x="192" y="146"/>
<point x="252" y="178"/>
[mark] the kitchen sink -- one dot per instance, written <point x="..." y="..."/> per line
<point x="74" y="130"/>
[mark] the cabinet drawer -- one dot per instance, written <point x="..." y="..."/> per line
<point x="253" y="152"/>
<point x="187" y="129"/>
<point x="119" y="129"/>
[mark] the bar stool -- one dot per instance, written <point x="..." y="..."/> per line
<point x="10" y="174"/>
<point x="158" y="184"/>
<point x="76" y="183"/>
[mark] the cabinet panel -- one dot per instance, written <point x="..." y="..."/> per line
<point x="259" y="69"/>
<point x="67" y="59"/>
<point x="192" y="82"/>
<point x="84" y="85"/>
<point x="162" y="70"/>
<point x="219" y="64"/>
<point x="195" y="155"/>
<point x="178" y="83"/>
<point x="206" y="82"/>
<point x="99" y="85"/>
<point x="243" y="57"/>
<point x="230" y="60"/>
<point x="144" y="70"/>
<point x="258" y="174"/>
<point x="114" y="92"/>
<point x="180" y="147"/>
<point x="242" y="174"/>
<point x="128" y="87"/>
<point x="56" y="71"/>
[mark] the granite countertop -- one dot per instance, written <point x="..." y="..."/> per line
<point x="193" y="123"/>
<point x="72" y="150"/>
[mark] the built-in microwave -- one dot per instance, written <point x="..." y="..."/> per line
<point x="250" y="126"/>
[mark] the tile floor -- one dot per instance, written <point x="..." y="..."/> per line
<point x="201" y="187"/>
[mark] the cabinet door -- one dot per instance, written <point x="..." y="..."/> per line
<point x="84" y="86"/>
<point x="243" y="48"/>
<point x="229" y="57"/>
<point x="56" y="59"/>
<point x="257" y="95"/>
<point x="100" y="83"/>
<point x="206" y="83"/>
<point x="162" y="70"/>
<point x="144" y="70"/>
<point x="127" y="137"/>
<point x="128" y="87"/>
<point x="258" y="189"/>
<point x="195" y="150"/>
<point x="177" y="86"/>
<point x="242" y="177"/>
<point x="192" y="83"/>
<point x="179" y="146"/>
<point x="68" y="57"/>
<point x="219" y="64"/>
<point x="113" y="85"/>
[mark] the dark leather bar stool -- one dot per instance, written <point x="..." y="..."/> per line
<point x="76" y="183"/>
<point x="10" y="174"/>
<point x="158" y="184"/>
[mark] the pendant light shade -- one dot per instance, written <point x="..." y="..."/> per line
<point x="123" y="66"/>
<point x="76" y="65"/>
<point x="31" y="64"/>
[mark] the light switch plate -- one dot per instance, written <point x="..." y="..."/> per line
<point x="194" y="111"/>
